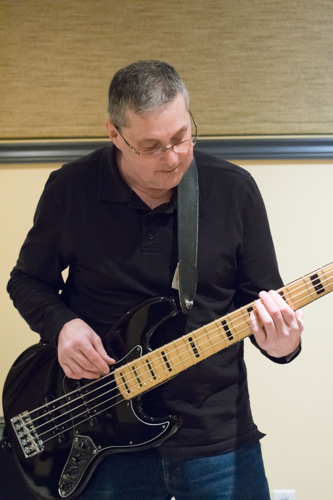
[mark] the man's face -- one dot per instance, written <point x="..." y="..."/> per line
<point x="162" y="171"/>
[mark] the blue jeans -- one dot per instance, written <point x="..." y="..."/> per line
<point x="239" y="475"/>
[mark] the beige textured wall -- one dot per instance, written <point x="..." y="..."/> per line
<point x="292" y="404"/>
<point x="252" y="67"/>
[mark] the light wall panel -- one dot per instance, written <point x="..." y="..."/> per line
<point x="258" y="67"/>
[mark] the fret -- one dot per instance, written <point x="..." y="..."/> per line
<point x="182" y="353"/>
<point x="150" y="368"/>
<point x="125" y="381"/>
<point x="310" y="288"/>
<point x="157" y="365"/>
<point x="227" y="332"/>
<point x="241" y="322"/>
<point x="241" y="328"/>
<point x="210" y="334"/>
<point x="164" y="362"/>
<point x="134" y="378"/>
<point x="296" y="294"/>
<point x="165" y="358"/>
<point x="194" y="347"/>
<point x="216" y="334"/>
<point x="307" y="289"/>
<point x="136" y="375"/>
<point x="317" y="284"/>
<point x="226" y="328"/>
<point x="322" y="281"/>
<point x="327" y="275"/>
<point x="143" y="372"/>
<point x="189" y="349"/>
<point x="200" y="344"/>
<point x="130" y="380"/>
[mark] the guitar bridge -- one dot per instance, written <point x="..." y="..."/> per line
<point x="27" y="435"/>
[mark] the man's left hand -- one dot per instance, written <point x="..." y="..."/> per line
<point x="276" y="327"/>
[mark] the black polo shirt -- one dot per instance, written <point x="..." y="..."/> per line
<point x="120" y="252"/>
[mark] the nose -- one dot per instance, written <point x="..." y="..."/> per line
<point x="170" y="157"/>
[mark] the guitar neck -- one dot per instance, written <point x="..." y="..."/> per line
<point x="159" y="366"/>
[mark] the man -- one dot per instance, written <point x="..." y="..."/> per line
<point x="111" y="218"/>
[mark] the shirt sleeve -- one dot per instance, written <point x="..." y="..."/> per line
<point x="283" y="359"/>
<point x="36" y="280"/>
<point x="258" y="267"/>
<point x="256" y="260"/>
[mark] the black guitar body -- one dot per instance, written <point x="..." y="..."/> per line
<point x="59" y="428"/>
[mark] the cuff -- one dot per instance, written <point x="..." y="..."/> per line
<point x="283" y="359"/>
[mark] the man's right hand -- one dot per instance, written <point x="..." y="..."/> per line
<point x="80" y="351"/>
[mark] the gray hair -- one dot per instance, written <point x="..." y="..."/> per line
<point x="143" y="87"/>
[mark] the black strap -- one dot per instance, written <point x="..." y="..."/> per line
<point x="188" y="219"/>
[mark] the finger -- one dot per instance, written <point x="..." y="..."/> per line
<point x="68" y="371"/>
<point x="293" y="320"/>
<point x="84" y="362"/>
<point x="92" y="361"/>
<point x="265" y="310"/>
<point x="278" y="307"/>
<point x="299" y="315"/>
<point x="299" y="318"/>
<point x="75" y="371"/>
<point x="98" y="344"/>
<point x="90" y="355"/>
<point x="81" y="352"/>
<point x="257" y="329"/>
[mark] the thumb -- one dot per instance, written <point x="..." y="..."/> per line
<point x="102" y="352"/>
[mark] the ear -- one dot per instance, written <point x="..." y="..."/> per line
<point x="112" y="132"/>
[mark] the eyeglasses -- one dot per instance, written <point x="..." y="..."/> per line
<point x="181" y="147"/>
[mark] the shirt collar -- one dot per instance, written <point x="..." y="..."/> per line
<point x="111" y="186"/>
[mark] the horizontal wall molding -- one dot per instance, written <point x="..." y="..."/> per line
<point x="243" y="148"/>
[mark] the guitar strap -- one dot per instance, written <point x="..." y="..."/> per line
<point x="188" y="220"/>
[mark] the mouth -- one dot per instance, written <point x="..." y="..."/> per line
<point x="170" y="170"/>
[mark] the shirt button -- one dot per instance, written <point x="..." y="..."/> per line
<point x="151" y="236"/>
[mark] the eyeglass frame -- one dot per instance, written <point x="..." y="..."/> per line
<point x="163" y="149"/>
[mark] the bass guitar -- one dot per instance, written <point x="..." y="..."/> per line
<point x="59" y="429"/>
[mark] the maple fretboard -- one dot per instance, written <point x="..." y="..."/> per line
<point x="160" y="365"/>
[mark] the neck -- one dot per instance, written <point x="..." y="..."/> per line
<point x="153" y="199"/>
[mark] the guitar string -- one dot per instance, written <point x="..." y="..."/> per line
<point x="134" y="378"/>
<point x="75" y="408"/>
<point x="190" y="357"/>
<point x="68" y="401"/>
<point x="96" y="414"/>
<point x="210" y="341"/>
<point x="192" y="334"/>
<point x="84" y="413"/>
<point x="182" y="362"/>
<point x="160" y="359"/>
